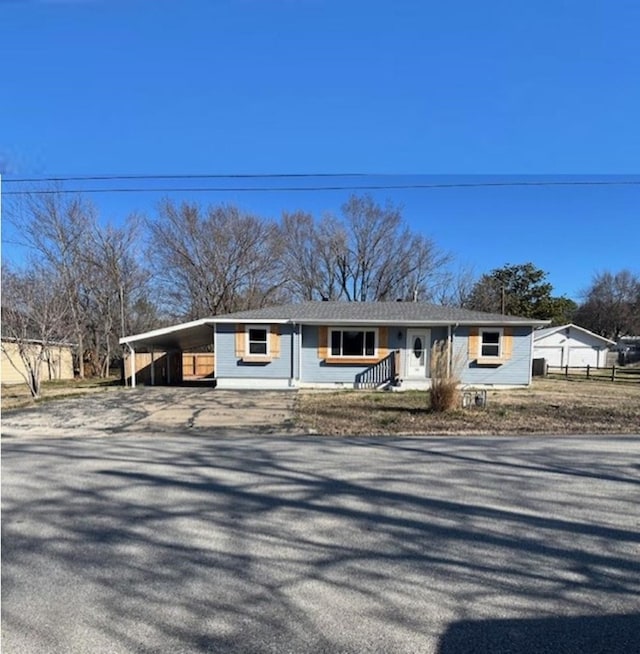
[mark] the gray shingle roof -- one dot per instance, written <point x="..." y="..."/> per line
<point x="374" y="312"/>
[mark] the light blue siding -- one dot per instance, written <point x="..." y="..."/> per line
<point x="316" y="371"/>
<point x="515" y="371"/>
<point x="229" y="366"/>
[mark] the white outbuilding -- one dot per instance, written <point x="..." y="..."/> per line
<point x="570" y="345"/>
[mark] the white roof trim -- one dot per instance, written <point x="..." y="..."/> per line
<point x="554" y="330"/>
<point x="250" y="321"/>
<point x="165" y="330"/>
<point x="409" y="323"/>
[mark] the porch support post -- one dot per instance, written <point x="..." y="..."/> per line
<point x="153" y="369"/>
<point x="168" y="355"/>
<point x="450" y="348"/>
<point x="132" y="358"/>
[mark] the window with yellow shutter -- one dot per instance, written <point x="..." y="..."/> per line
<point x="257" y="343"/>
<point x="492" y="345"/>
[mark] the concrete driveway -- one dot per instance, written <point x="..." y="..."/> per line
<point x="150" y="541"/>
<point x="154" y="409"/>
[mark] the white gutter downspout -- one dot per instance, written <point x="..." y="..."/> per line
<point x="132" y="357"/>
<point x="452" y="333"/>
<point x="300" y="328"/>
<point x="531" y="358"/>
<point x="214" y="340"/>
<point x="450" y="348"/>
<point x="292" y="378"/>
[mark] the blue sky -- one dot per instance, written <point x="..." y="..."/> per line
<point x="418" y="89"/>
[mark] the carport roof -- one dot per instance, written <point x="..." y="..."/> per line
<point x="185" y="336"/>
<point x="198" y="333"/>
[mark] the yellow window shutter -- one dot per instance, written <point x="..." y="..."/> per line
<point x="474" y="343"/>
<point x="507" y="343"/>
<point x="274" y="341"/>
<point x="383" y="342"/>
<point x="240" y="340"/>
<point x="323" y="337"/>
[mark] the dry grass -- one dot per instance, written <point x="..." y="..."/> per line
<point x="548" y="407"/>
<point x="444" y="394"/>
<point x="15" y="396"/>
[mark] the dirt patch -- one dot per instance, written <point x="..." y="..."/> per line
<point x="547" y="407"/>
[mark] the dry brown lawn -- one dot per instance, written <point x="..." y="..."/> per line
<point x="547" y="407"/>
<point x="16" y="396"/>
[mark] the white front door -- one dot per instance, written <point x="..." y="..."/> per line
<point x="417" y="353"/>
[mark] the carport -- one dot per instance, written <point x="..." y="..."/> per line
<point x="168" y="343"/>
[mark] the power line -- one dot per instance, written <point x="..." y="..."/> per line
<point x="86" y="178"/>
<point x="345" y="187"/>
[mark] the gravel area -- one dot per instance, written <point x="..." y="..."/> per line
<point x="152" y="409"/>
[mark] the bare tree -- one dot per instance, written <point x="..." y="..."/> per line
<point x="56" y="226"/>
<point x="214" y="261"/>
<point x="310" y="252"/>
<point x="117" y="281"/>
<point x="35" y="317"/>
<point x="455" y="286"/>
<point x="96" y="266"/>
<point x="611" y="305"/>
<point x="369" y="253"/>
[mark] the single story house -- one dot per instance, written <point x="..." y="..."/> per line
<point x="347" y="344"/>
<point x="57" y="360"/>
<point x="571" y="345"/>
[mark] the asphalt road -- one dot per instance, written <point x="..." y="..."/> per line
<point x="192" y="543"/>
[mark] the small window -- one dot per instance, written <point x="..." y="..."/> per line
<point x="490" y="344"/>
<point x="258" y="340"/>
<point x="353" y="343"/>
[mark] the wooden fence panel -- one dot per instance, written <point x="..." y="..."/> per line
<point x="198" y="365"/>
<point x="612" y="373"/>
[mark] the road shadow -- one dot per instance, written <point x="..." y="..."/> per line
<point x="310" y="544"/>
<point x="587" y="634"/>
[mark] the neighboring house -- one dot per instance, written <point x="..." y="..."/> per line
<point x="570" y="345"/>
<point x="57" y="361"/>
<point x="349" y="344"/>
<point x="628" y="348"/>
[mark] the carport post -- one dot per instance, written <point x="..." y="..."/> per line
<point x="132" y="356"/>
<point x="153" y="369"/>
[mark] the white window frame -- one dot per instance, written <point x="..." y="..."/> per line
<point x="364" y="330"/>
<point x="492" y="330"/>
<point x="248" y="341"/>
